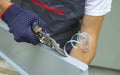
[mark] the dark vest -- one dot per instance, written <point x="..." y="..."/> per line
<point x="62" y="16"/>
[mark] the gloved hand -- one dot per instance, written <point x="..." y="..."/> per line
<point x="20" y="22"/>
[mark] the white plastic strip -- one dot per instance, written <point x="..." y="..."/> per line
<point x="76" y="63"/>
<point x="18" y="68"/>
<point x="80" y="65"/>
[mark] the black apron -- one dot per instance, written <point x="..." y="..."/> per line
<point x="62" y="16"/>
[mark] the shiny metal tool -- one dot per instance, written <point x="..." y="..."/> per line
<point x="44" y="38"/>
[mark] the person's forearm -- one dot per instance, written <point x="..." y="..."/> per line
<point x="90" y="25"/>
<point x="4" y="4"/>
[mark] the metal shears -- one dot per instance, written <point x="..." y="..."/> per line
<point x="44" y="38"/>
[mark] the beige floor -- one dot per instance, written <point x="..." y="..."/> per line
<point x="6" y="69"/>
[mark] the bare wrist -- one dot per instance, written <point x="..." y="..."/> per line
<point x="4" y="4"/>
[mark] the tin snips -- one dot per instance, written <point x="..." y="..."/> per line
<point x="44" y="38"/>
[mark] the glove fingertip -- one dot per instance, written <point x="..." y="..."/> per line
<point x="33" y="39"/>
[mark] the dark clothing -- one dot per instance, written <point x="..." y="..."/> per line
<point x="62" y="16"/>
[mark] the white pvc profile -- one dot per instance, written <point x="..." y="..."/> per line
<point x="70" y="60"/>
